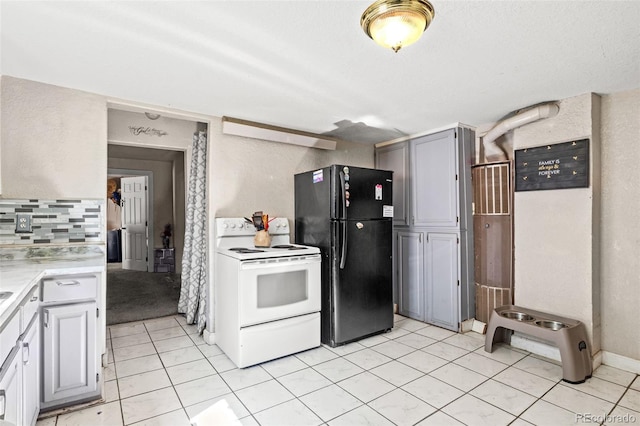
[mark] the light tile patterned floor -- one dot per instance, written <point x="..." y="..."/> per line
<point x="163" y="373"/>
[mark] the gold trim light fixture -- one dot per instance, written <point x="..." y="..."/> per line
<point x="397" y="23"/>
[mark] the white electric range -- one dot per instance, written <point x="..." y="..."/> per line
<point x="267" y="300"/>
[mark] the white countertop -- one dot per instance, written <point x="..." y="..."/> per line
<point x="19" y="274"/>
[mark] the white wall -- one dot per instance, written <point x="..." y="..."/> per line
<point x="250" y="174"/>
<point x="620" y="243"/>
<point x="577" y="250"/>
<point x="53" y="141"/>
<point x="247" y="175"/>
<point x="554" y="233"/>
<point x="179" y="132"/>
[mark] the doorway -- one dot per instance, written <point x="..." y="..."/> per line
<point x="145" y="282"/>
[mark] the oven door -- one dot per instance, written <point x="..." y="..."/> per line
<point x="273" y="289"/>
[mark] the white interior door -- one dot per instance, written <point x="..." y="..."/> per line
<point x="134" y="222"/>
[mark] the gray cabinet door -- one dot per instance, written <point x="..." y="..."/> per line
<point x="396" y="158"/>
<point x="410" y="262"/>
<point x="69" y="356"/>
<point x="434" y="168"/>
<point x="442" y="280"/>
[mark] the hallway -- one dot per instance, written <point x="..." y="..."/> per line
<point x="136" y="296"/>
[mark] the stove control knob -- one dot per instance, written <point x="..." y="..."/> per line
<point x="225" y="226"/>
<point x="233" y="225"/>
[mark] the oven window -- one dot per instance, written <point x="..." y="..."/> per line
<point x="283" y="288"/>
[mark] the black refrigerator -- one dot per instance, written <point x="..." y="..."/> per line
<point x="347" y="212"/>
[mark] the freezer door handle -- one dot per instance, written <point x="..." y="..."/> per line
<point x="343" y="196"/>
<point x="343" y="246"/>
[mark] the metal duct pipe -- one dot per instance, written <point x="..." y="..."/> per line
<point x="491" y="149"/>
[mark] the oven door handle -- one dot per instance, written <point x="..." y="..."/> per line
<point x="278" y="263"/>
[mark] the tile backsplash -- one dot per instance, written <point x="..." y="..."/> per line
<point x="53" y="221"/>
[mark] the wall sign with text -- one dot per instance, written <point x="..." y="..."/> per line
<point x="557" y="166"/>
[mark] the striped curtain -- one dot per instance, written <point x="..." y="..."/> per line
<point x="193" y="293"/>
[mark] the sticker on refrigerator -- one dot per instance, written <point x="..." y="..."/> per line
<point x="318" y="176"/>
<point x="378" y="192"/>
<point x="387" y="211"/>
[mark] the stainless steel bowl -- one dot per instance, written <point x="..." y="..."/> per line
<point x="554" y="325"/>
<point x="516" y="315"/>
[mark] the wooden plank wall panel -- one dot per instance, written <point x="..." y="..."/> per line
<point x="488" y="298"/>
<point x="491" y="189"/>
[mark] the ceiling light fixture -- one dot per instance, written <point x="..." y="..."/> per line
<point x="397" y="23"/>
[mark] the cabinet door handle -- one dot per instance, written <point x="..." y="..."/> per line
<point x="25" y="345"/>
<point x="46" y="318"/>
<point x="67" y="283"/>
<point x="3" y="403"/>
<point x="33" y="299"/>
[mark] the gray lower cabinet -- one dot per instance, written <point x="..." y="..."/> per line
<point x="442" y="280"/>
<point x="428" y="277"/>
<point x="69" y="340"/>
<point x="410" y="274"/>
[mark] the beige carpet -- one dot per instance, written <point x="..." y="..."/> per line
<point x="135" y="296"/>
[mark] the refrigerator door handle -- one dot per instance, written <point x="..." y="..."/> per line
<point x="343" y="246"/>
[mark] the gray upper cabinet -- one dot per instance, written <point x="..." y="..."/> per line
<point x="434" y="169"/>
<point x="396" y="158"/>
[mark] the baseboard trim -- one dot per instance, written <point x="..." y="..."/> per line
<point x="209" y="337"/>
<point x="537" y="347"/>
<point x="621" y="362"/>
<point x="549" y="351"/>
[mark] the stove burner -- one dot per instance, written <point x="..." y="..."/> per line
<point x="245" y="250"/>
<point x="288" y="247"/>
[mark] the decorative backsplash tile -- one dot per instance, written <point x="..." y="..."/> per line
<point x="53" y="221"/>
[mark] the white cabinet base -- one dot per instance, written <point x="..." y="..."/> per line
<point x="70" y="360"/>
<point x="11" y="389"/>
<point x="30" y="358"/>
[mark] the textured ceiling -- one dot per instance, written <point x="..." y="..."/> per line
<point x="307" y="65"/>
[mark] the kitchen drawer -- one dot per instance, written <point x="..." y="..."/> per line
<point x="9" y="334"/>
<point x="30" y="308"/>
<point x="68" y="288"/>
